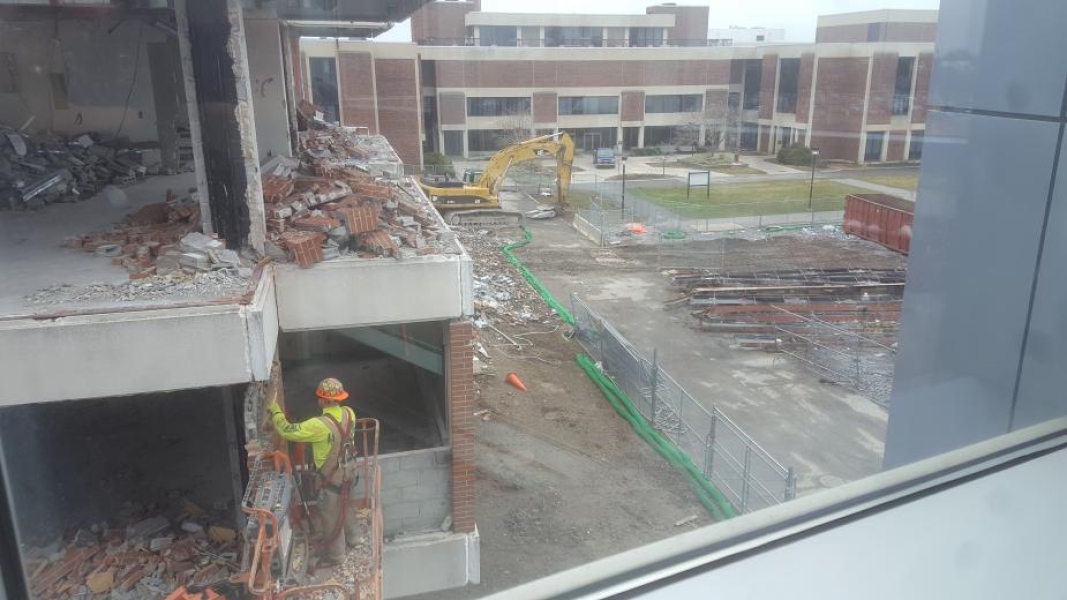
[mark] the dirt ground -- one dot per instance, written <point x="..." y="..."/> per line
<point x="827" y="433"/>
<point x="562" y="480"/>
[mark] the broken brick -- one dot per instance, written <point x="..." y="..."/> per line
<point x="305" y="246"/>
<point x="313" y="223"/>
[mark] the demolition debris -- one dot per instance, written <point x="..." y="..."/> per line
<point x="48" y="168"/>
<point x="329" y="204"/>
<point x="500" y="292"/>
<point x="144" y="560"/>
<point x="841" y="323"/>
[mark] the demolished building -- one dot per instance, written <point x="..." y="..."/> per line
<point x="224" y="252"/>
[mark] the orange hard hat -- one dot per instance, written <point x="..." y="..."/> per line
<point x="331" y="389"/>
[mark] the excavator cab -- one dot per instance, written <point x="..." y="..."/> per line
<point x="470" y="176"/>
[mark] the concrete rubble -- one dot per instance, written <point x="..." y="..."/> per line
<point x="39" y="170"/>
<point x="340" y="200"/>
<point x="142" y="557"/>
<point x="500" y="292"/>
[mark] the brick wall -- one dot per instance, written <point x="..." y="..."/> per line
<point x="355" y="71"/>
<point x="690" y="24"/>
<point x="452" y="109"/>
<point x="460" y="376"/>
<point x="804" y="78"/>
<point x="922" y="87"/>
<point x="416" y="490"/>
<point x="895" y="148"/>
<point x="398" y="106"/>
<point x="883" y="80"/>
<point x="544" y="107"/>
<point x="837" y="114"/>
<point x="764" y="138"/>
<point x="910" y="32"/>
<point x="442" y="20"/>
<point x="553" y="74"/>
<point x="633" y="106"/>
<point x="766" y="91"/>
<point x="841" y="34"/>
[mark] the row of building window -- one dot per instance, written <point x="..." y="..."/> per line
<point x="508" y="35"/>
<point x="584" y="105"/>
<point x="589" y="105"/>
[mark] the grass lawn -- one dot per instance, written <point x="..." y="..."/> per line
<point x="905" y="181"/>
<point x="702" y="161"/>
<point x="736" y="170"/>
<point x="749" y="199"/>
<point x="635" y="176"/>
<point x="577" y="199"/>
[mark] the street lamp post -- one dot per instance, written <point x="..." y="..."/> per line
<point x="811" y="186"/>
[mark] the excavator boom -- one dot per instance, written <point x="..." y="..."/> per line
<point x="483" y="195"/>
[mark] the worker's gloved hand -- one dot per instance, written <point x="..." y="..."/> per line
<point x="273" y="408"/>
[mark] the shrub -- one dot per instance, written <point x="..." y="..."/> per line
<point x="648" y="151"/>
<point x="794" y="154"/>
<point x="438" y="164"/>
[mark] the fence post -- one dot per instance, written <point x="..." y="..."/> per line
<point x="791" y="484"/>
<point x="709" y="448"/>
<point x="655" y="384"/>
<point x="746" y="473"/>
<point x="602" y="226"/>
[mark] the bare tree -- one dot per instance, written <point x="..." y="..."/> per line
<point x="719" y="123"/>
<point x="517" y="127"/>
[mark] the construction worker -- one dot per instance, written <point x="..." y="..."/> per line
<point x="332" y="438"/>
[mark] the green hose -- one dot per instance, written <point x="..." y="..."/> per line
<point x="534" y="282"/>
<point x="710" y="497"/>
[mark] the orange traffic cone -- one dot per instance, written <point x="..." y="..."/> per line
<point x="514" y="380"/>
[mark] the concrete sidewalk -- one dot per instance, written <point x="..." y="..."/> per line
<point x="881" y="189"/>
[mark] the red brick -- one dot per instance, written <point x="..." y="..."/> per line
<point x="358" y="219"/>
<point x="356" y="74"/>
<point x="837" y="113"/>
<point x="633" y="106"/>
<point x="766" y="92"/>
<point x="378" y="242"/>
<point x="804" y="79"/>
<point x="922" y="87"/>
<point x="305" y="246"/>
<point x="883" y="80"/>
<point x="313" y="223"/>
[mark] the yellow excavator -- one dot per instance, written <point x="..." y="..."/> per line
<point x="476" y="199"/>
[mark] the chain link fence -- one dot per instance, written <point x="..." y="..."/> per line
<point x="863" y="361"/>
<point x="731" y="460"/>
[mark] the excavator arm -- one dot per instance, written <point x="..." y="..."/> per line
<point x="485" y="192"/>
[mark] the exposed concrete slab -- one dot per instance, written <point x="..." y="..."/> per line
<point x="428" y="563"/>
<point x="361" y="292"/>
<point x="30" y="243"/>
<point x="117" y="354"/>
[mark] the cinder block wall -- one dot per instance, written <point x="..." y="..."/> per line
<point x="416" y="490"/>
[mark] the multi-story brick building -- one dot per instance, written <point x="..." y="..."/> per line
<point x="629" y="81"/>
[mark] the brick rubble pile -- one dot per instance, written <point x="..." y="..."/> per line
<point x="328" y="205"/>
<point x="144" y="560"/>
<point x="160" y="239"/>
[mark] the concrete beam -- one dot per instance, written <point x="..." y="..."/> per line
<point x="153" y="350"/>
<point x="345" y="293"/>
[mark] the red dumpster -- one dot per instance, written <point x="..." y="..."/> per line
<point x="880" y="218"/>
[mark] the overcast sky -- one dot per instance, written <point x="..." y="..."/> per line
<point x="797" y="17"/>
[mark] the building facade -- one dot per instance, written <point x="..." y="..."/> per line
<point x="606" y="82"/>
<point x="744" y="36"/>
